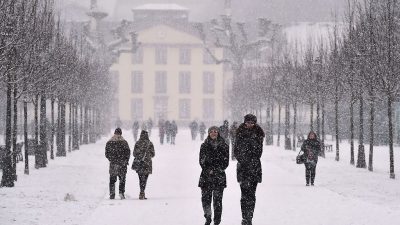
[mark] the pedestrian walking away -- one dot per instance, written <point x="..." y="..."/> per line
<point x="248" y="151"/>
<point x="135" y="130"/>
<point x="232" y="136"/>
<point x="142" y="163"/>
<point x="224" y="131"/>
<point x="202" y="130"/>
<point x="311" y="148"/>
<point x="174" y="131"/>
<point x="161" y="130"/>
<point x="118" y="153"/>
<point x="213" y="159"/>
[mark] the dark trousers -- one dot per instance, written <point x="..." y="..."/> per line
<point x="173" y="139"/>
<point x="143" y="181"/>
<point x="162" y="138"/>
<point x="310" y="172"/>
<point x="113" y="179"/>
<point x="248" y="200"/>
<point x="214" y="195"/>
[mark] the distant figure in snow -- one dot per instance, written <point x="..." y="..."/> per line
<point x="224" y="131"/>
<point x="117" y="153"/>
<point x="248" y="151"/>
<point x="135" y="130"/>
<point x="168" y="130"/>
<point x="194" y="128"/>
<point x="232" y="136"/>
<point x="174" y="131"/>
<point x="213" y="159"/>
<point x="202" y="130"/>
<point x="311" y="148"/>
<point x="161" y="130"/>
<point x="149" y="126"/>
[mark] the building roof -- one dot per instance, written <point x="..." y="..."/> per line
<point x="161" y="7"/>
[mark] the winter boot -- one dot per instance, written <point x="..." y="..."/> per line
<point x="142" y="196"/>
<point x="246" y="222"/>
<point x="112" y="196"/>
<point x="122" y="196"/>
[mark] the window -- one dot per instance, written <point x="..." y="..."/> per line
<point x="208" y="82"/>
<point x="184" y="109"/>
<point x="161" y="55"/>
<point x="137" y="109"/>
<point x="184" y="82"/>
<point x="184" y="56"/>
<point x="115" y="79"/>
<point x="161" y="107"/>
<point x="137" y="57"/>
<point x="208" y="109"/>
<point x="137" y="82"/>
<point x="207" y="57"/>
<point x="161" y="82"/>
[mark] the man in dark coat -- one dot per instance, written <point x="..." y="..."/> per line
<point x="174" y="131"/>
<point x="248" y="151"/>
<point x="202" y="131"/>
<point x="118" y="153"/>
<point x="311" y="148"/>
<point x="213" y="159"/>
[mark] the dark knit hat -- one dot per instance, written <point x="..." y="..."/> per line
<point x="213" y="128"/>
<point x="250" y="118"/>
<point x="118" y="131"/>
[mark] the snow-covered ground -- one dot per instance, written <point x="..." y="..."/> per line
<point x="343" y="194"/>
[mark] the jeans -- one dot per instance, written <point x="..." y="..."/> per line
<point x="214" y="195"/>
<point x="113" y="179"/>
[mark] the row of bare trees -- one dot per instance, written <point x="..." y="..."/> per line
<point x="359" y="66"/>
<point x="39" y="64"/>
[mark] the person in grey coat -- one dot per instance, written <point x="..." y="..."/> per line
<point x="213" y="159"/>
<point x="118" y="153"/>
<point x="248" y="150"/>
<point x="144" y="151"/>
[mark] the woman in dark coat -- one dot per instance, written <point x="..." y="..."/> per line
<point x="144" y="151"/>
<point x="311" y="148"/>
<point x="214" y="159"/>
<point x="248" y="149"/>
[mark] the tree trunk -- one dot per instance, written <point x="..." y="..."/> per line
<point x="52" y="130"/>
<point x="272" y="124"/>
<point x="288" y="145"/>
<point x="43" y="132"/>
<point x="86" y="127"/>
<point x="294" y="125"/>
<point x="361" y="151"/>
<point x="15" y="131"/>
<point x="61" y="151"/>
<point x="36" y="146"/>
<point x="81" y="126"/>
<point x="7" y="179"/>
<point x="337" y="119"/>
<point x="391" y="156"/>
<point x="351" y="130"/>
<point x="371" y="132"/>
<point x="279" y="124"/>
<point x="323" y="129"/>
<point x="318" y="119"/>
<point x="311" y="116"/>
<point x="26" y="171"/>
<point x="69" y="127"/>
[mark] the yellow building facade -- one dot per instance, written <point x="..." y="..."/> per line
<point x="170" y="76"/>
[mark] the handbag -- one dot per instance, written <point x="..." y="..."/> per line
<point x="300" y="159"/>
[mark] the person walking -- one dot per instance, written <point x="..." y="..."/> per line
<point x="149" y="126"/>
<point x="213" y="159"/>
<point x="248" y="149"/>
<point x="174" y="131"/>
<point x="135" y="130"/>
<point x="232" y="136"/>
<point x="202" y="130"/>
<point x="311" y="148"/>
<point x="168" y="130"/>
<point x="224" y="131"/>
<point x="194" y="128"/>
<point x="118" y="153"/>
<point x="161" y="130"/>
<point x="143" y="154"/>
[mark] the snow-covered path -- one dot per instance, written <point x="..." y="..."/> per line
<point x="343" y="194"/>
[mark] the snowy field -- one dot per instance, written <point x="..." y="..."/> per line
<point x="342" y="195"/>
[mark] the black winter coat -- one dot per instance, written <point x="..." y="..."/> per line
<point x="248" y="150"/>
<point x="118" y="153"/>
<point x="213" y="162"/>
<point x="311" y="148"/>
